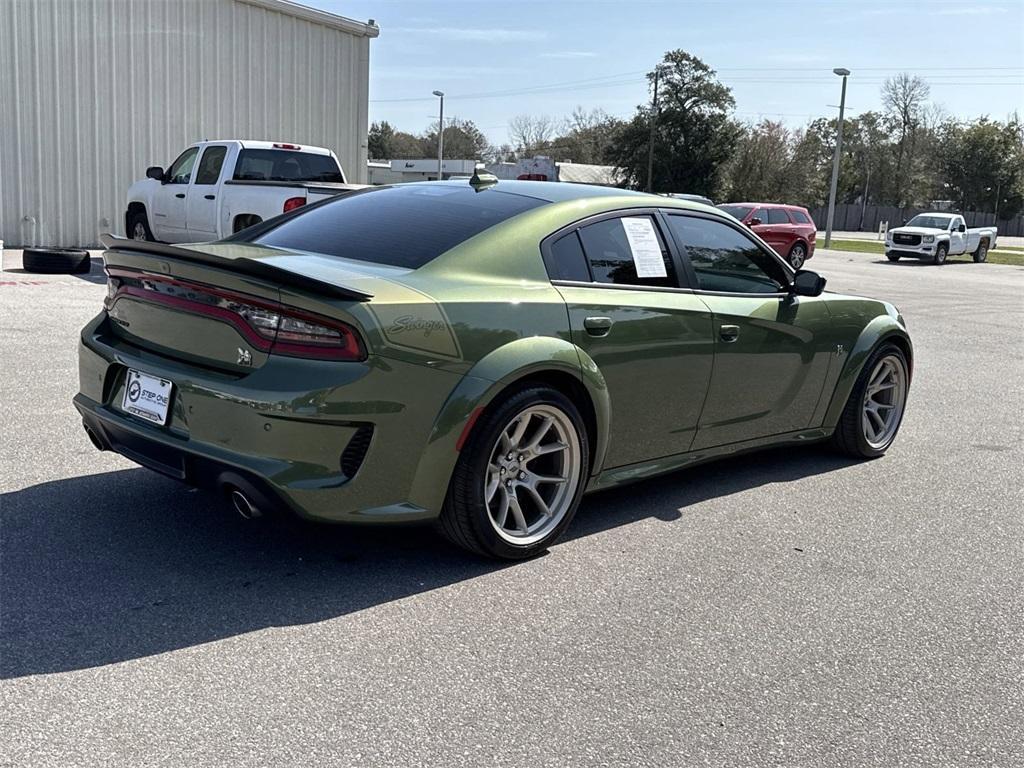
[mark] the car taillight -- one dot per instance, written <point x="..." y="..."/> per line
<point x="292" y="203"/>
<point x="269" y="326"/>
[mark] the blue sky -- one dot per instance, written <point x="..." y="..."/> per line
<point x="494" y="60"/>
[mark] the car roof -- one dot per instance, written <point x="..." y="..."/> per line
<point x="552" y="191"/>
<point x="769" y="205"/>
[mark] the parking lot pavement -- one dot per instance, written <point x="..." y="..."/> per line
<point x="781" y="608"/>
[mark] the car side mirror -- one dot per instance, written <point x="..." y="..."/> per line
<point x="754" y="222"/>
<point x="961" y="228"/>
<point x="155" y="172"/>
<point x="808" y="283"/>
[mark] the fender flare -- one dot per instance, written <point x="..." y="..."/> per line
<point x="880" y="329"/>
<point x="483" y="383"/>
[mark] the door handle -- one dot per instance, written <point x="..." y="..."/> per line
<point x="180" y="195"/>
<point x="598" y="326"/>
<point x="210" y="197"/>
<point x="729" y="333"/>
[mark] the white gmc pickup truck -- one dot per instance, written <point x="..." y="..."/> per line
<point x="934" y="236"/>
<point x="216" y="188"/>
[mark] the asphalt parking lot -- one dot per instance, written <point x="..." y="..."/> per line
<point x="781" y="608"/>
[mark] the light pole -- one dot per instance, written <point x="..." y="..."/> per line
<point x="440" y="137"/>
<point x="654" y="126"/>
<point x="844" y="73"/>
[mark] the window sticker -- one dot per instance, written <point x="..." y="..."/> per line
<point x="643" y="244"/>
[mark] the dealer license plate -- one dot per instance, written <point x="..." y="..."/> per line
<point x="148" y="397"/>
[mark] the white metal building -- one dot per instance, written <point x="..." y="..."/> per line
<point x="92" y="92"/>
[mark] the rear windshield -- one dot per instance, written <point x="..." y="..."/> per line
<point x="405" y="226"/>
<point x="738" y="211"/>
<point x="286" y="165"/>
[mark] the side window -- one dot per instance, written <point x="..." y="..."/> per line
<point x="725" y="259"/>
<point x="565" y="259"/>
<point x="800" y="217"/>
<point x="209" y="167"/>
<point x="628" y="250"/>
<point x="760" y="213"/>
<point x="181" y="169"/>
<point x="777" y="216"/>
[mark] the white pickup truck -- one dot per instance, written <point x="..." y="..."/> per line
<point x="216" y="188"/>
<point x="934" y="236"/>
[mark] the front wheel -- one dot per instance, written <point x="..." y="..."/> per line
<point x="940" y="254"/>
<point x="893" y="257"/>
<point x="874" y="411"/>
<point x="981" y="255"/>
<point x="520" y="476"/>
<point x="798" y="255"/>
<point x="138" y="227"/>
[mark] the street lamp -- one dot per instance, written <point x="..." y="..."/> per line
<point x="843" y="73"/>
<point x="440" y="136"/>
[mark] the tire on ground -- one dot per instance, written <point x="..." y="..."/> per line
<point x="981" y="255"/>
<point x="138" y="226"/>
<point x="940" y="254"/>
<point x="849" y="437"/>
<point x="465" y="519"/>
<point x="56" y="261"/>
<point x="893" y="257"/>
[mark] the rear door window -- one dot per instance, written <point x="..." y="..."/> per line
<point x="210" y="164"/>
<point x="621" y="251"/>
<point x="406" y="225"/>
<point x="777" y="216"/>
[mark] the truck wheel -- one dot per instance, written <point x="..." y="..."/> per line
<point x="940" y="254"/>
<point x="138" y="227"/>
<point x="56" y="261"/>
<point x="893" y="257"/>
<point x="981" y="254"/>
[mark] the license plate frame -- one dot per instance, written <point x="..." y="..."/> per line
<point x="147" y="397"/>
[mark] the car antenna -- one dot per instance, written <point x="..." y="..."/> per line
<point x="482" y="179"/>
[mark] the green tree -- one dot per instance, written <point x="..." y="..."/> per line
<point x="462" y="141"/>
<point x="379" y="141"/>
<point x="694" y="135"/>
<point x="982" y="162"/>
<point x="586" y="137"/>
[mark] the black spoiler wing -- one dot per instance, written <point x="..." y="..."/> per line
<point x="242" y="265"/>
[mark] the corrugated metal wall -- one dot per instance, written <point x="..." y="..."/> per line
<point x="94" y="91"/>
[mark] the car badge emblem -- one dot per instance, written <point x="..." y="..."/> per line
<point x="244" y="356"/>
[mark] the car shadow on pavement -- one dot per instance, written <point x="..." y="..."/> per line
<point x="117" y="566"/>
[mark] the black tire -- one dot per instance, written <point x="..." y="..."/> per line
<point x="940" y="254"/>
<point x="138" y="227"/>
<point x="981" y="255"/>
<point x="893" y="257"/>
<point x="245" y="221"/>
<point x="797" y="255"/>
<point x="465" y="520"/>
<point x="56" y="261"/>
<point x="849" y="437"/>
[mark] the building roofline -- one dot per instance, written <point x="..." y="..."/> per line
<point x="317" y="16"/>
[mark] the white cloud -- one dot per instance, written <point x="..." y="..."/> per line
<point x="569" y="55"/>
<point x="474" y="34"/>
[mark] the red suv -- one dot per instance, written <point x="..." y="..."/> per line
<point x="788" y="229"/>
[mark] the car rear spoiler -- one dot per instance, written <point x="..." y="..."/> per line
<point x="245" y="266"/>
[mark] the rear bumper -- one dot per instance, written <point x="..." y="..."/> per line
<point x="325" y="440"/>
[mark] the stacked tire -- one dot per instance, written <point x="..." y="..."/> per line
<point x="56" y="261"/>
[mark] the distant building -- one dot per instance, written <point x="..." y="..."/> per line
<point x="92" y="93"/>
<point x="420" y="169"/>
<point x="543" y="168"/>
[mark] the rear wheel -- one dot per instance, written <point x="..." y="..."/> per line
<point x="981" y="255"/>
<point x="874" y="412"/>
<point x="520" y="476"/>
<point x="940" y="254"/>
<point x="798" y="255"/>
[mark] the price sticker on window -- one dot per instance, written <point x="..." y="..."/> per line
<point x="644" y="245"/>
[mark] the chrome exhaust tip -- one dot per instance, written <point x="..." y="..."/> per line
<point x="243" y="505"/>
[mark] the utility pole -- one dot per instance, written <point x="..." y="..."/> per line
<point x="440" y="137"/>
<point x="844" y="73"/>
<point x="654" y="125"/>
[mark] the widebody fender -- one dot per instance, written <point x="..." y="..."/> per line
<point x="488" y="378"/>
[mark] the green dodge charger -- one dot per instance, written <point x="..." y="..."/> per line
<point x="477" y="353"/>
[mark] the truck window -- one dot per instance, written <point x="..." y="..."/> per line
<point x="181" y="169"/>
<point x="210" y="164"/>
<point x="286" y="165"/>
